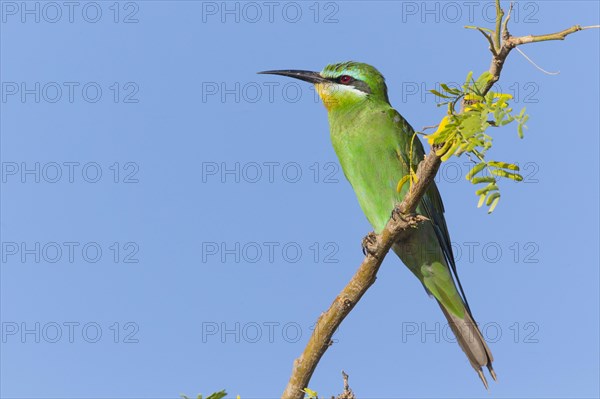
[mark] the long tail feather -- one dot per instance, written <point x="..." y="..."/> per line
<point x="472" y="343"/>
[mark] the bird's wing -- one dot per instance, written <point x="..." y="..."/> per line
<point x="431" y="203"/>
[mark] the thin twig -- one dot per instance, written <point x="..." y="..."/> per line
<point x="489" y="39"/>
<point x="505" y="33"/>
<point x="517" y="41"/>
<point x="534" y="64"/>
<point x="498" y="31"/>
<point x="347" y="394"/>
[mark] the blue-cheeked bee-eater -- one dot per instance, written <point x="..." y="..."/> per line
<point x="376" y="148"/>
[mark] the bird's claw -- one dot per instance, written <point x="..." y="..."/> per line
<point x="412" y="219"/>
<point x="397" y="214"/>
<point x="369" y="244"/>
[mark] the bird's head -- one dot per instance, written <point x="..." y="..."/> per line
<point x="343" y="85"/>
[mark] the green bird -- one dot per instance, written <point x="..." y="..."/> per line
<point x="376" y="148"/>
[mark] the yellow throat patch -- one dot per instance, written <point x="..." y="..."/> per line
<point x="334" y="95"/>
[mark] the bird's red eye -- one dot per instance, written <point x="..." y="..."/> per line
<point x="345" y="79"/>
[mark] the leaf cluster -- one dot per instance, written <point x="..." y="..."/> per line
<point x="464" y="132"/>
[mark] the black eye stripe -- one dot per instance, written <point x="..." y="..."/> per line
<point x="356" y="83"/>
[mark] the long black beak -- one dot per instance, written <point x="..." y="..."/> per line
<point x="307" y="76"/>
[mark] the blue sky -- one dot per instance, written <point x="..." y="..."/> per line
<point x="174" y="223"/>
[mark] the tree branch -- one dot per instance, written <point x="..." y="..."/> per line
<point x="509" y="42"/>
<point x="401" y="224"/>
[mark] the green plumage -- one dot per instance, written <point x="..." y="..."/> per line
<point x="373" y="143"/>
<point x="374" y="163"/>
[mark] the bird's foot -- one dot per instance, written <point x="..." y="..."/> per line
<point x="411" y="219"/>
<point x="369" y="244"/>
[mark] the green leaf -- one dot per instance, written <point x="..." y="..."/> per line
<point x="451" y="151"/>
<point x="489" y="187"/>
<point x="492" y="197"/>
<point x="483" y="179"/>
<point x="472" y="144"/>
<point x="492" y="201"/>
<point x="498" y="115"/>
<point x="472" y="124"/>
<point x="508" y="175"/>
<point x="218" y="395"/>
<point x="311" y="393"/>
<point x="476" y="169"/>
<point x="482" y="81"/>
<point x="503" y="165"/>
<point x="481" y="200"/>
<point x="521" y="125"/>
<point x="444" y="148"/>
<point x="437" y="93"/>
<point x="505" y="121"/>
<point x="450" y="90"/>
<point x="520" y="131"/>
<point x="468" y="81"/>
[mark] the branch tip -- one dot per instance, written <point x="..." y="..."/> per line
<point x="499" y="16"/>
<point x="505" y="33"/>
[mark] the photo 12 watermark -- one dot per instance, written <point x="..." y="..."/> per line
<point x="526" y="92"/>
<point x="69" y="252"/>
<point x="269" y="252"/>
<point x="438" y="332"/>
<point x="69" y="12"/>
<point x="253" y="172"/>
<point x="69" y="172"/>
<point x="456" y="171"/>
<point x="254" y="12"/>
<point x="69" y="92"/>
<point x="53" y="332"/>
<point x="235" y="92"/>
<point x="465" y="12"/>
<point x="480" y="252"/>
<point x="253" y="332"/>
